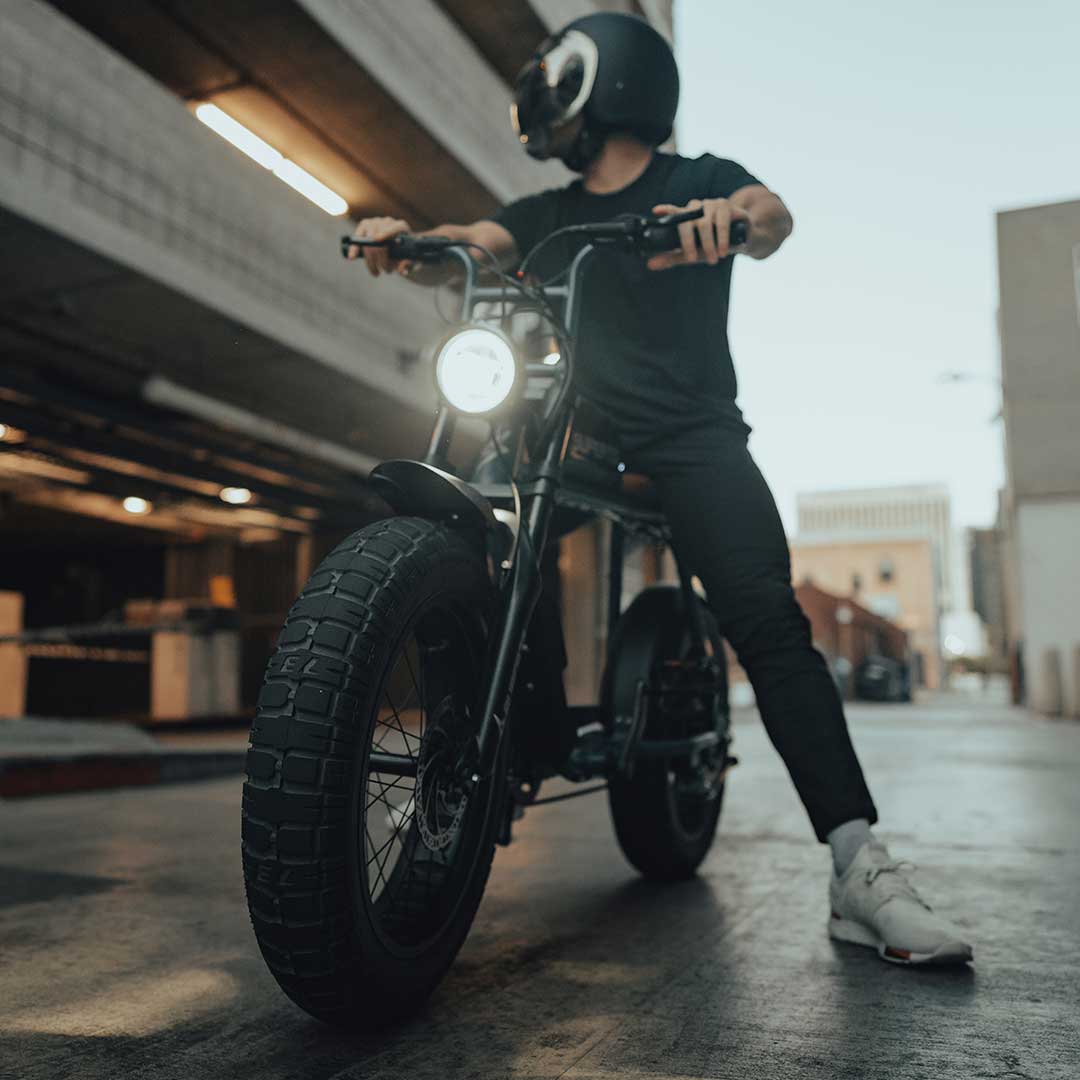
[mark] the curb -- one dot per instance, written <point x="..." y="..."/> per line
<point x="21" y="777"/>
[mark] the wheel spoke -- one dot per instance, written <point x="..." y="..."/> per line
<point x="384" y="788"/>
<point x="393" y="836"/>
<point x="417" y="687"/>
<point x="418" y="718"/>
<point x="374" y="859"/>
<point x="399" y="725"/>
<point x="383" y="795"/>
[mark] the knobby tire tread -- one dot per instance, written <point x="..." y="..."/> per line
<point x="312" y="711"/>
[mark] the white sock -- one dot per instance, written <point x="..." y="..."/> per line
<point x="845" y="841"/>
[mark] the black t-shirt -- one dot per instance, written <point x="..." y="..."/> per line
<point x="653" y="348"/>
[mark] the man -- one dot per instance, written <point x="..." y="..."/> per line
<point x="601" y="95"/>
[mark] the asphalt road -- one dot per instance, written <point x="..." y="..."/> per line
<point x="125" y="949"/>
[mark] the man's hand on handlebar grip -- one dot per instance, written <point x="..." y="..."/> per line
<point x="378" y="259"/>
<point x="704" y="240"/>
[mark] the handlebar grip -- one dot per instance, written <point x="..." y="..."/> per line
<point x="661" y="238"/>
<point x="419" y="248"/>
<point x="404" y="246"/>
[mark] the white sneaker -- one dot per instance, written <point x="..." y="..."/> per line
<point x="874" y="904"/>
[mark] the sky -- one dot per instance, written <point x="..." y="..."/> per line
<point x="894" y="133"/>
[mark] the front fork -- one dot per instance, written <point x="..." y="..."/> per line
<point x="521" y="591"/>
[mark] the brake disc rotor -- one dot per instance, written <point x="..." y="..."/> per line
<point x="441" y="796"/>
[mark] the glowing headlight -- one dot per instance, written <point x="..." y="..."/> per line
<point x="476" y="370"/>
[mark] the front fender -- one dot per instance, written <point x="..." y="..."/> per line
<point x="422" y="490"/>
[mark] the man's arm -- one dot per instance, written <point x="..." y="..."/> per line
<point x="770" y="221"/>
<point x="487" y="234"/>
<point x="705" y="240"/>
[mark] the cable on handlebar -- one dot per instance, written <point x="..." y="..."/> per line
<point x="566" y="230"/>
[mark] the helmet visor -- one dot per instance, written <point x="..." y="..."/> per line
<point x="552" y="89"/>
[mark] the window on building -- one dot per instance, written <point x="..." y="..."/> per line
<point x="886" y="570"/>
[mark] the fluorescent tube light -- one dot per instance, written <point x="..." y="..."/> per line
<point x="315" y="190"/>
<point x="261" y="151"/>
<point x="234" y="132"/>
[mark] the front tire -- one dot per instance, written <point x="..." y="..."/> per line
<point x="362" y="883"/>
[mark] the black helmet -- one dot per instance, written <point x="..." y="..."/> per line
<point x="614" y="70"/>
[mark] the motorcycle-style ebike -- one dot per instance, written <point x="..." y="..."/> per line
<point x="415" y="705"/>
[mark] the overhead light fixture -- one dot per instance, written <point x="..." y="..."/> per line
<point x="261" y="151"/>
<point x="551" y="360"/>
<point x="235" y="496"/>
<point x="315" y="190"/>
<point x="134" y="505"/>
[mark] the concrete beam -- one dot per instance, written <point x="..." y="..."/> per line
<point x="422" y="58"/>
<point x="95" y="151"/>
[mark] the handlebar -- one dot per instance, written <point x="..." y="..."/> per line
<point x="645" y="233"/>
<point x="404" y="246"/>
<point x="662" y="234"/>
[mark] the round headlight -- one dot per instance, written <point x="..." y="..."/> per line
<point x="476" y="370"/>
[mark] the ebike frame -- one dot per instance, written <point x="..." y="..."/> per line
<point x="538" y="501"/>
<point x="428" y="486"/>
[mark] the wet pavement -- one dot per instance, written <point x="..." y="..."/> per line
<point x="125" y="949"/>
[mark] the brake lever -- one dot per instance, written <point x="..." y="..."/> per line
<point x="677" y="218"/>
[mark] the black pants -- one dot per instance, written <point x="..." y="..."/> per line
<point x="726" y="530"/>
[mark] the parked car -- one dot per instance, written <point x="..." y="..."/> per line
<point x="880" y="678"/>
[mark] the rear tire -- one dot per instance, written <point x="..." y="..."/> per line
<point x="352" y="945"/>
<point x="663" y="833"/>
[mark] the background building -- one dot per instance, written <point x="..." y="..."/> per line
<point x="193" y="386"/>
<point x="871" y="513"/>
<point x="891" y="549"/>
<point x="988" y="589"/>
<point x="895" y="579"/>
<point x="1039" y="280"/>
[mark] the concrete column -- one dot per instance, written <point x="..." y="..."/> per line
<point x="305" y="561"/>
<point x="12" y="657"/>
<point x="1048" y="691"/>
<point x="194" y="675"/>
<point x="1074" y="710"/>
<point x="581" y="565"/>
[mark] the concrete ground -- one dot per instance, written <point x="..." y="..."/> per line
<point x="125" y="948"/>
<point x="40" y="756"/>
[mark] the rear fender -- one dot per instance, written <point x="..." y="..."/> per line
<point x="653" y="628"/>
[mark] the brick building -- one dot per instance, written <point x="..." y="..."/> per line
<point x="895" y="579"/>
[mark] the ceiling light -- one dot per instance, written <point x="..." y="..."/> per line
<point x="261" y="151"/>
<point x="235" y="496"/>
<point x="238" y="135"/>
<point x="134" y="505"/>
<point x="315" y="190"/>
